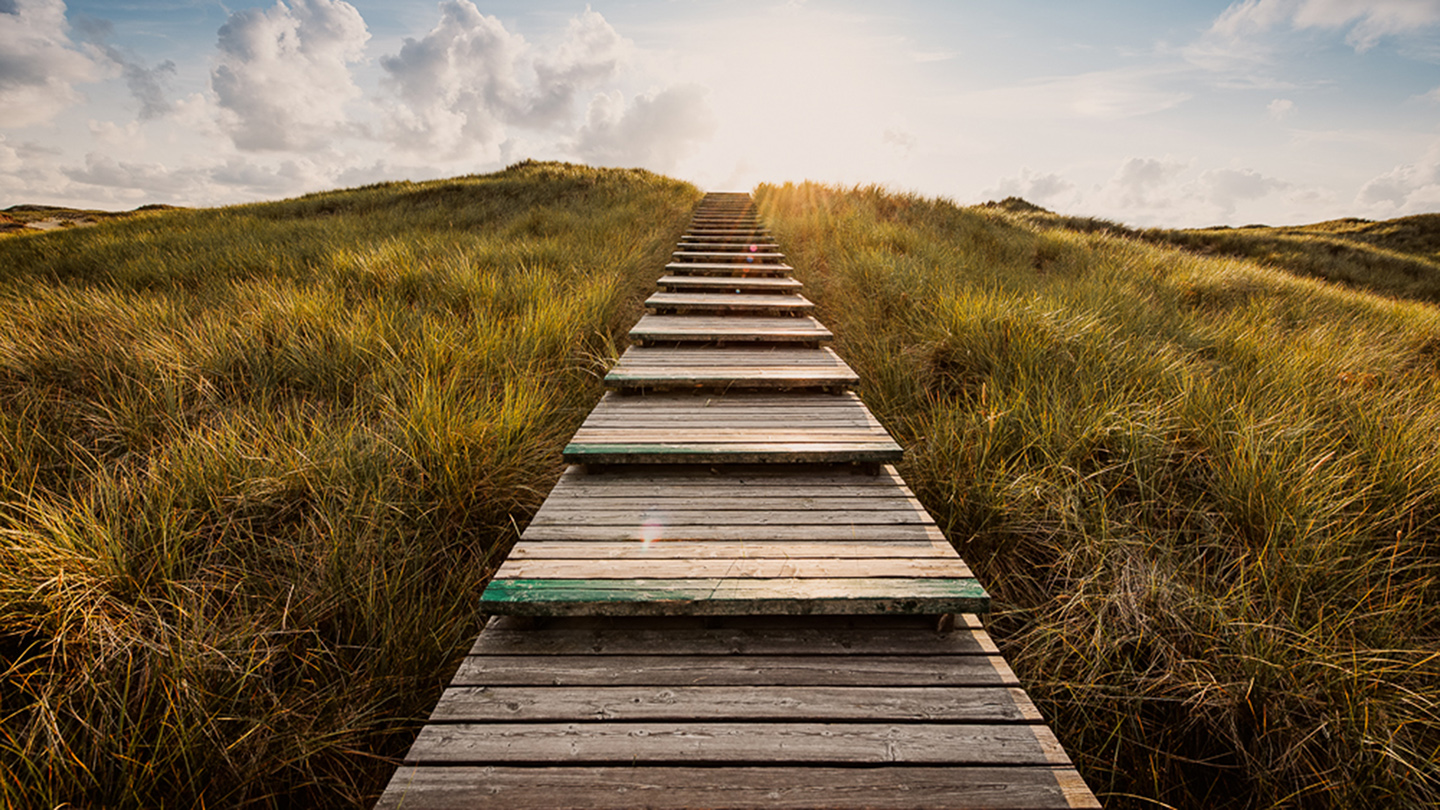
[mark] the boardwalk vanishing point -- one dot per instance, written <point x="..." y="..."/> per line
<point x="731" y="599"/>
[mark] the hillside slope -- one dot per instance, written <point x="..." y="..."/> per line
<point x="1204" y="493"/>
<point x="1399" y="258"/>
<point x="256" y="464"/>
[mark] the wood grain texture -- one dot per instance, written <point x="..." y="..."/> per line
<point x="737" y="788"/>
<point x="733" y="670"/>
<point x="740" y="303"/>
<point x="735" y="635"/>
<point x="754" y="284"/>
<point x="721" y="596"/>
<point x="803" y="329"/>
<point x="739" y="743"/>
<point x="638" y="567"/>
<point x="541" y="704"/>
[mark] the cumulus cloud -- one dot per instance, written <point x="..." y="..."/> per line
<point x="655" y="131"/>
<point x="459" y="88"/>
<point x="1144" y="183"/>
<point x="282" y="78"/>
<point x="146" y="84"/>
<point x="1051" y="190"/>
<point x="1411" y="188"/>
<point x="1226" y="188"/>
<point x="1367" y="21"/>
<point x="1280" y="108"/>
<point x="39" y="64"/>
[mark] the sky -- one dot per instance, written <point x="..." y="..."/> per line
<point x="1177" y="113"/>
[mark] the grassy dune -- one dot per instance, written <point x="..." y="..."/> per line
<point x="1399" y="258"/>
<point x="1204" y="492"/>
<point x="257" y="462"/>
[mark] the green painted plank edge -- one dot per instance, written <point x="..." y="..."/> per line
<point x="713" y="597"/>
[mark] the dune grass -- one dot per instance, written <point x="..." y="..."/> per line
<point x="1204" y="493"/>
<point x="1399" y="258"/>
<point x="256" y="463"/>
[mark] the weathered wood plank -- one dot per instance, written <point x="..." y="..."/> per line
<point x="924" y="567"/>
<point x="876" y="452"/>
<point x="531" y="704"/>
<point x="725" y="596"/>
<point x="557" y="516"/>
<point x="658" y="533"/>
<point x="721" y="257"/>
<point x="729" y="269"/>
<point x="892" y="634"/>
<point x="803" y="329"/>
<point x="720" y="549"/>
<point x="704" y="302"/>
<point x="743" y="788"/>
<point x="757" y="284"/>
<point x="733" y="670"/>
<point x="739" y="743"/>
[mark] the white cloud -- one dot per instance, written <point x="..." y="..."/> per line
<point x="1280" y="108"/>
<point x="1050" y="190"/>
<point x="1368" y="21"/>
<point x="655" y="131"/>
<point x="146" y="84"/>
<point x="460" y="87"/>
<point x="1411" y="188"/>
<point x="1145" y="184"/>
<point x="39" y="64"/>
<point x="283" y="75"/>
<point x="1226" y="188"/>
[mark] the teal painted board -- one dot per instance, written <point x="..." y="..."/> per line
<point x="720" y="596"/>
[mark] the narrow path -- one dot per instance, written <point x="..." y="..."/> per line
<point x="731" y="599"/>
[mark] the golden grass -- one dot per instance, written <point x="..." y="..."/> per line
<point x="1204" y="493"/>
<point x="256" y="464"/>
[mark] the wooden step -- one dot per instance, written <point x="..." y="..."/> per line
<point x="729" y="247"/>
<point x="743" y="237"/>
<point x="801" y="428"/>
<point x="728" y="284"/>
<point x="722" y="256"/>
<point x="728" y="269"/>
<point x="720" y="302"/>
<point x="787" y="368"/>
<point x="803" y="330"/>
<point x="729" y="543"/>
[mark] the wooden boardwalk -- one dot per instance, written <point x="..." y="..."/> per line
<point x="731" y="599"/>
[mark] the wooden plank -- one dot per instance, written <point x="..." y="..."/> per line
<point x="725" y="596"/>
<point x="737" y="788"/>
<point x="750" y="703"/>
<point x="770" y="269"/>
<point x="733" y="670"/>
<point x="731" y="283"/>
<point x="739" y="743"/>
<point x="720" y="257"/>
<point x="657" y="368"/>
<point x="846" y="452"/>
<point x="728" y="302"/>
<point x="719" y="549"/>
<point x="557" y="516"/>
<point x="704" y="243"/>
<point x="655" y="532"/>
<point x="567" y="504"/>
<point x="730" y="235"/>
<point x="734" y="635"/>
<point x="690" y="438"/>
<point x="539" y="704"/>
<point x="683" y="329"/>
<point x="805" y="568"/>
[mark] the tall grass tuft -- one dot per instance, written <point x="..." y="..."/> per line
<point x="256" y="463"/>
<point x="1204" y="493"/>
